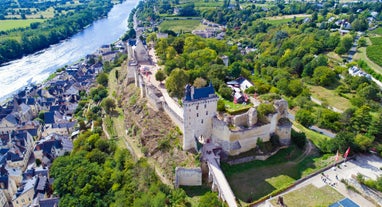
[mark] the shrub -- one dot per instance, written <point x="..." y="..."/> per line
<point x="299" y="139"/>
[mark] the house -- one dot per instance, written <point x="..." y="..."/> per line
<point x="49" y="117"/>
<point x="241" y="83"/>
<point x="51" y="147"/>
<point x="45" y="202"/>
<point x="25" y="113"/>
<point x="21" y="149"/>
<point x="7" y="187"/>
<point x="65" y="128"/>
<point x="25" y="193"/>
<point x="355" y="71"/>
<point x="9" y="123"/>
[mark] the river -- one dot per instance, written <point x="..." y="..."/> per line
<point x="37" y="67"/>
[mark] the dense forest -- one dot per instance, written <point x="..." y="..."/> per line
<point x="97" y="173"/>
<point x="19" y="42"/>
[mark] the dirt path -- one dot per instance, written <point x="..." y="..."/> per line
<point x="307" y="152"/>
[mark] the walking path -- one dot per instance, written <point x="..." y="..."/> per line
<point x="151" y="79"/>
<point x="225" y="191"/>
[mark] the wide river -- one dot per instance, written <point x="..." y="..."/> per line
<point x="37" y="67"/>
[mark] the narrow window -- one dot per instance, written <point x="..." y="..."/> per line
<point x="197" y="114"/>
<point x="202" y="121"/>
<point x="206" y="112"/>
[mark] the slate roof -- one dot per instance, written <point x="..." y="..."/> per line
<point x="47" y="146"/>
<point x="54" y="108"/>
<point x="42" y="183"/>
<point x="49" y="117"/>
<point x="65" y="125"/>
<point x="31" y="101"/>
<point x="199" y="93"/>
<point x="49" y="202"/>
<point x="33" y="132"/>
<point x="11" y="119"/>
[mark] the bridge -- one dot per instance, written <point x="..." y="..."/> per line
<point x="216" y="175"/>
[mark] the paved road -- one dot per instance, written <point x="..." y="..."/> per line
<point x="353" y="49"/>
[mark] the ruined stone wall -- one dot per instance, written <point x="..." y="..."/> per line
<point x="245" y="138"/>
<point x="154" y="97"/>
<point x="188" y="176"/>
<point x="240" y="120"/>
<point x="284" y="133"/>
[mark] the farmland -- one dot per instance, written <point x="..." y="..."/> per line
<point x="374" y="51"/>
<point x="15" y="23"/>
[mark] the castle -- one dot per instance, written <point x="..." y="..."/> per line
<point x="235" y="134"/>
<point x="198" y="118"/>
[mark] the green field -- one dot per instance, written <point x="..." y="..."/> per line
<point x="377" y="31"/>
<point x="15" y="23"/>
<point x="329" y="97"/>
<point x="374" y="51"/>
<point x="181" y="25"/>
<point x="277" y="20"/>
<point x="311" y="196"/>
<point x="254" y="180"/>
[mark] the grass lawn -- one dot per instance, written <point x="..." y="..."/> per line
<point x="377" y="31"/>
<point x="180" y="25"/>
<point x="277" y="20"/>
<point x="330" y="97"/>
<point x="17" y="23"/>
<point x="254" y="180"/>
<point x="194" y="193"/>
<point x="311" y="196"/>
<point x="232" y="107"/>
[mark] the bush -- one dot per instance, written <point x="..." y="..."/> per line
<point x="221" y="105"/>
<point x="299" y="139"/>
<point x="264" y="110"/>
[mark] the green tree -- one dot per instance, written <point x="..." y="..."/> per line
<point x="305" y="117"/>
<point x="324" y="76"/>
<point x="209" y="199"/>
<point x="199" y="82"/>
<point x="160" y="76"/>
<point x="176" y="82"/>
<point x="109" y="105"/>
<point x="363" y="141"/>
<point x="361" y="120"/>
<point x="226" y="92"/>
<point x="299" y="139"/>
<point x="103" y="79"/>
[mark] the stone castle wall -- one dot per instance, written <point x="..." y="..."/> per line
<point x="188" y="176"/>
<point x="247" y="138"/>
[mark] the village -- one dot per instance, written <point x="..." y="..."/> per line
<point x="37" y="125"/>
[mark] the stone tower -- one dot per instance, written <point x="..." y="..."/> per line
<point x="199" y="107"/>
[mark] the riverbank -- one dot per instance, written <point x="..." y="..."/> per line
<point x="36" y="68"/>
